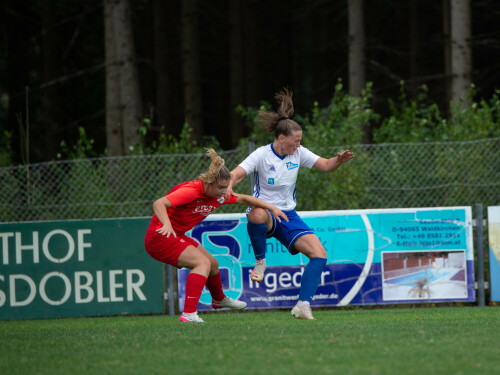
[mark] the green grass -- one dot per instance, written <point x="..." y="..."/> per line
<point x="439" y="340"/>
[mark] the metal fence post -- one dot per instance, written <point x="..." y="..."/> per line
<point x="480" y="254"/>
<point x="170" y="289"/>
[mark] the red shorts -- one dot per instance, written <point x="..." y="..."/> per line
<point x="167" y="250"/>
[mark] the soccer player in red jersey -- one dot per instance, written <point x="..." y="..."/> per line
<point x="186" y="205"/>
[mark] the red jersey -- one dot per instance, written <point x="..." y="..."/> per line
<point x="190" y="206"/>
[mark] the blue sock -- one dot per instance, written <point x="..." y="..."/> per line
<point x="311" y="278"/>
<point x="258" y="236"/>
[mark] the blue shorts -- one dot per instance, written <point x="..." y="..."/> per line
<point x="289" y="232"/>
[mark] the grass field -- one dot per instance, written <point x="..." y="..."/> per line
<point x="437" y="340"/>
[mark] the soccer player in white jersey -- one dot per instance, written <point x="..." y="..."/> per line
<point x="275" y="168"/>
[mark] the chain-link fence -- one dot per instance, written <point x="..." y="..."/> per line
<point x="380" y="176"/>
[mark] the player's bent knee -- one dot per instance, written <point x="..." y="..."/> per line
<point x="315" y="252"/>
<point x="322" y="254"/>
<point x="257" y="215"/>
<point x="214" y="264"/>
<point x="204" y="264"/>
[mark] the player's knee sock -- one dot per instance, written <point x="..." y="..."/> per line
<point x="258" y="236"/>
<point x="194" y="286"/>
<point x="214" y="285"/>
<point x="311" y="278"/>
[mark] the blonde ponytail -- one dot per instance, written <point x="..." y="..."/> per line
<point x="217" y="170"/>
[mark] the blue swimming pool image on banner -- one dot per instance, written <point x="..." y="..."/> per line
<point x="377" y="256"/>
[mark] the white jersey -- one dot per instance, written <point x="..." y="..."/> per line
<point x="275" y="175"/>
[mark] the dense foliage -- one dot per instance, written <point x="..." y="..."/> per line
<point x="341" y="124"/>
<point x="400" y="171"/>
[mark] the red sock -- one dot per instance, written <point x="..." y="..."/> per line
<point x="194" y="286"/>
<point x="214" y="285"/>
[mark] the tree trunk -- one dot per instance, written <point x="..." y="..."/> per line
<point x="357" y="72"/>
<point x="113" y="110"/>
<point x="414" y="48"/>
<point x="460" y="51"/>
<point x="123" y="96"/>
<point x="51" y="70"/>
<point x="356" y="47"/>
<point x="131" y="101"/>
<point x="447" y="49"/>
<point x="302" y="66"/>
<point x="162" y="54"/>
<point x="18" y="67"/>
<point x="191" y="67"/>
<point x="250" y="55"/>
<point x="169" y="105"/>
<point x="236" y="70"/>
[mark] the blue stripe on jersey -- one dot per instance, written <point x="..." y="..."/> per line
<point x="256" y="190"/>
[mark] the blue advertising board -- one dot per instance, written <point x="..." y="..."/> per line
<point x="494" y="247"/>
<point x="378" y="256"/>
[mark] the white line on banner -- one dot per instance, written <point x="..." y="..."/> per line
<point x="368" y="264"/>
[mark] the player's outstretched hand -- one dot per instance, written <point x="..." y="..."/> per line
<point x="278" y="214"/>
<point x="167" y="230"/>
<point x="345" y="156"/>
<point x="229" y="191"/>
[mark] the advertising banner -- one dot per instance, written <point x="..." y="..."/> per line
<point x="494" y="241"/>
<point x="374" y="257"/>
<point x="77" y="268"/>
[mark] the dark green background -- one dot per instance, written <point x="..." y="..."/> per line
<point x="116" y="244"/>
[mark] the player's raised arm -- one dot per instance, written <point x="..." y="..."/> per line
<point x="256" y="202"/>
<point x="329" y="165"/>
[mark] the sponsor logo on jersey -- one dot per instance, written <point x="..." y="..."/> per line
<point x="204" y="209"/>
<point x="272" y="169"/>
<point x="290" y="165"/>
<point x="270" y="181"/>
